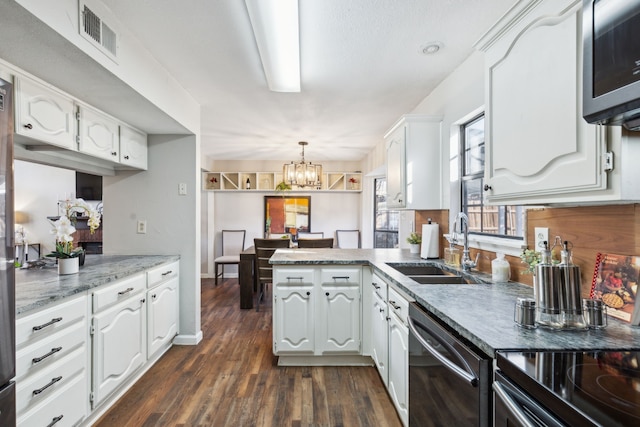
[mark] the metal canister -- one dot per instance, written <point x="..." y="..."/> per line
<point x="525" y="312"/>
<point x="595" y="313"/>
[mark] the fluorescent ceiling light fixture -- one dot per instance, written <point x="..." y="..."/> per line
<point x="275" y="28"/>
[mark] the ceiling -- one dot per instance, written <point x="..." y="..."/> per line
<point x="362" y="67"/>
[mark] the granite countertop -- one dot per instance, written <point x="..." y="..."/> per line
<point x="482" y="313"/>
<point x="37" y="287"/>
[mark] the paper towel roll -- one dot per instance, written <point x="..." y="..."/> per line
<point x="430" y="241"/>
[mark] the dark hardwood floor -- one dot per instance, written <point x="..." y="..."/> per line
<point x="231" y="379"/>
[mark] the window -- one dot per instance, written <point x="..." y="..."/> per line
<point x="504" y="221"/>
<point x="385" y="227"/>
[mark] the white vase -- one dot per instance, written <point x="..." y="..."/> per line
<point x="68" y="265"/>
<point x="414" y="248"/>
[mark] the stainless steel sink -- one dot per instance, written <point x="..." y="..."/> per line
<point x="430" y="274"/>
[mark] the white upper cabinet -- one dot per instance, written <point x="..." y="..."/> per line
<point x="413" y="163"/>
<point x="99" y="134"/>
<point x="539" y="148"/>
<point x="44" y="114"/>
<point x="133" y="147"/>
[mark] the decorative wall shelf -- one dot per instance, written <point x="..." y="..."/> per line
<point x="267" y="181"/>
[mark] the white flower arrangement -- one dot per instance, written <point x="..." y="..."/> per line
<point x="63" y="228"/>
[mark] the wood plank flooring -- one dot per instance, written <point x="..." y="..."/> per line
<point x="231" y="379"/>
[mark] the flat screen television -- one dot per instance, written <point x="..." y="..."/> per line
<point x="88" y="187"/>
<point x="611" y="62"/>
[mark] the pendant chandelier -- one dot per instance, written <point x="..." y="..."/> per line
<point x="302" y="174"/>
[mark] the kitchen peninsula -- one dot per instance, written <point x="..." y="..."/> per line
<point x="83" y="339"/>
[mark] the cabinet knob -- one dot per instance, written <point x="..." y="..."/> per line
<point x="308" y="293"/>
<point x="327" y="293"/>
<point x="113" y="153"/>
<point x="126" y="157"/>
<point x="28" y="126"/>
<point x="382" y="310"/>
<point x="487" y="187"/>
<point x="143" y="300"/>
<point x="154" y="296"/>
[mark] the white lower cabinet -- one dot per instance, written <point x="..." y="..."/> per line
<point x="162" y="311"/>
<point x="51" y="365"/>
<point x="399" y="354"/>
<point x="119" y="343"/>
<point x="379" y="328"/>
<point x="317" y="310"/>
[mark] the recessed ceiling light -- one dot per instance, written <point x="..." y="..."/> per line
<point x="430" y="48"/>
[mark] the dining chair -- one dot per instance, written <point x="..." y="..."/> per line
<point x="316" y="243"/>
<point x="264" y="271"/>
<point x="348" y="239"/>
<point x="232" y="245"/>
<point x="310" y="235"/>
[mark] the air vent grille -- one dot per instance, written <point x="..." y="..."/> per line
<point x="94" y="29"/>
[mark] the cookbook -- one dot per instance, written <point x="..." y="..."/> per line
<point x="615" y="282"/>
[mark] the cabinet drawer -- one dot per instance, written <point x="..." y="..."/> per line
<point x="398" y="305"/>
<point x="293" y="276"/>
<point x="379" y="287"/>
<point x="118" y="292"/>
<point x="33" y="390"/>
<point x="33" y="327"/>
<point x="339" y="275"/>
<point x="68" y="406"/>
<point x="157" y="275"/>
<point x="45" y="352"/>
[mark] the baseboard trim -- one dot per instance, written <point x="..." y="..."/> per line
<point x="188" y="339"/>
<point x="337" y="360"/>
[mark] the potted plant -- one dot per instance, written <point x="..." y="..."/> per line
<point x="63" y="228"/>
<point x="282" y="188"/>
<point x="414" y="241"/>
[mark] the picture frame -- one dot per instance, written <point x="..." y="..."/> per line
<point x="287" y="215"/>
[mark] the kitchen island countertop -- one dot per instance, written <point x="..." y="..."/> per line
<point x="38" y="287"/>
<point x="482" y="313"/>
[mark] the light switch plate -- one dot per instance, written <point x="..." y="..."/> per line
<point x="542" y="235"/>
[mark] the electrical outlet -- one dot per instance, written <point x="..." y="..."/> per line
<point x="182" y="189"/>
<point x="142" y="227"/>
<point x="542" y="235"/>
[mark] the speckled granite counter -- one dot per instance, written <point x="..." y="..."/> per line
<point x="482" y="313"/>
<point x="35" y="288"/>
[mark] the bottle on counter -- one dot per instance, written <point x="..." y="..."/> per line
<point x="248" y="184"/>
<point x="500" y="269"/>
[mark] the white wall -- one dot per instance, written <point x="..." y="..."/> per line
<point x="37" y="191"/>
<point x="173" y="221"/>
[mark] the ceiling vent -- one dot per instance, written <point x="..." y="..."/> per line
<point x="94" y="29"/>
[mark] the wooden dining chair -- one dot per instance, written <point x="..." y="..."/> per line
<point x="263" y="270"/>
<point x="316" y="243"/>
<point x="232" y="245"/>
<point x="348" y="239"/>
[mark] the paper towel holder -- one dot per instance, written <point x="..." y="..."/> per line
<point x="430" y="248"/>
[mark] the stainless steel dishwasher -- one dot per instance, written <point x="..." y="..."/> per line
<point x="449" y="379"/>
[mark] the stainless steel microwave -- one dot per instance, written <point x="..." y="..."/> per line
<point x="611" y="62"/>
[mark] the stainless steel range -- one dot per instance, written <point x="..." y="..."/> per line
<point x="600" y="388"/>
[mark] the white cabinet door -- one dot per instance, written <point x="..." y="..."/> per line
<point x="399" y="366"/>
<point x="99" y="134"/>
<point x="413" y="162"/>
<point x="162" y="316"/>
<point x="396" y="163"/>
<point x="539" y="148"/>
<point x="44" y="114"/>
<point x="293" y="318"/>
<point x="338" y="319"/>
<point x="380" y="337"/>
<point x="119" y="345"/>
<point x="133" y="148"/>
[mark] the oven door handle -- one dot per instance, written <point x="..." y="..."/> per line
<point x="467" y="375"/>
<point x="511" y="405"/>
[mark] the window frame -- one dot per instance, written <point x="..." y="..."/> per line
<point x="375" y="216"/>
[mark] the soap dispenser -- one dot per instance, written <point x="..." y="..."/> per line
<point x="500" y="269"/>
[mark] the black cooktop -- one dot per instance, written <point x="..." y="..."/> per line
<point x="582" y="388"/>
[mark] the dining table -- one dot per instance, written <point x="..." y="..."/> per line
<point x="246" y="277"/>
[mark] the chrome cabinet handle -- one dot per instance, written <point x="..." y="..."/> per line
<point x="394" y="305"/>
<point x="51" y="353"/>
<point x="511" y="405"/>
<point x="167" y="272"/>
<point x="46" y="386"/>
<point x="49" y="323"/>
<point x="55" y="420"/>
<point x="126" y="291"/>
<point x="340" y="277"/>
<point x="466" y="374"/>
<point x="294" y="278"/>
